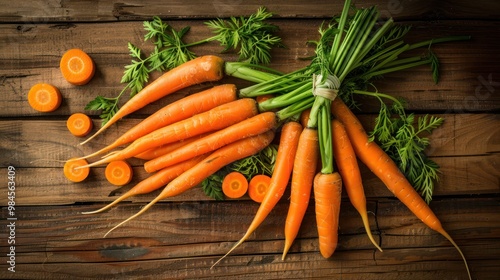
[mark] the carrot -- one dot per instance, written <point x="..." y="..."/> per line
<point x="77" y="67"/>
<point x="119" y="173"/>
<point x="220" y="117"/>
<point x="79" y="124"/>
<point x="258" y="187"/>
<point x="234" y="185"/>
<point x="211" y="164"/>
<point x="196" y="71"/>
<point x="179" y="110"/>
<point x="153" y="182"/>
<point x="304" y="116"/>
<point x="167" y="148"/>
<point x="44" y="97"/>
<point x="246" y="128"/>
<point x="262" y="98"/>
<point x="287" y="148"/>
<point x="72" y="173"/>
<point x="386" y="169"/>
<point x="349" y="170"/>
<point x="327" y="197"/>
<point x="304" y="169"/>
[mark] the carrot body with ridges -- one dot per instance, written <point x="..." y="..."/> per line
<point x="287" y="149"/>
<point x="202" y="69"/>
<point x="211" y="164"/>
<point x="386" y="169"/>
<point x="327" y="196"/>
<point x="304" y="170"/>
<point x="220" y="117"/>
<point x="176" y="111"/>
<point x="351" y="176"/>
<point x="246" y="128"/>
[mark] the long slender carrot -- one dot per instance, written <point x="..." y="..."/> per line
<point x="351" y="176"/>
<point x="176" y="111"/>
<point x="167" y="148"/>
<point x="153" y="182"/>
<point x="246" y="128"/>
<point x="199" y="70"/>
<point x="384" y="168"/>
<point x="215" y="161"/>
<point x="304" y="170"/>
<point x="327" y="196"/>
<point x="219" y="117"/>
<point x="287" y="149"/>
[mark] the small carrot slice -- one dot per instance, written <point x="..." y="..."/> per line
<point x="234" y="185"/>
<point x="77" y="67"/>
<point x="72" y="173"/>
<point x="79" y="124"/>
<point x="119" y="173"/>
<point x="44" y="97"/>
<point x="258" y="186"/>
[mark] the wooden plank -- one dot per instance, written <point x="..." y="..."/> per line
<point x="468" y="83"/>
<point x="70" y="11"/>
<point x="184" y="239"/>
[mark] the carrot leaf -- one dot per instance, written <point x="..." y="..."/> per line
<point x="212" y="186"/>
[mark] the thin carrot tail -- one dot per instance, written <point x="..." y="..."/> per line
<point x="245" y="237"/>
<point x="447" y="236"/>
<point x="102" y="209"/>
<point x="149" y="205"/>
<point x="366" y="224"/>
<point x="107" y="159"/>
<point x="104" y="127"/>
<point x="288" y="244"/>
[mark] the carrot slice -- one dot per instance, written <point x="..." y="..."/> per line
<point x="234" y="185"/>
<point x="77" y="67"/>
<point x="44" y="97"/>
<point x="72" y="173"/>
<point x="258" y="186"/>
<point x="79" y="124"/>
<point x="119" y="173"/>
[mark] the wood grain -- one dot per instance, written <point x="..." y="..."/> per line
<point x="182" y="237"/>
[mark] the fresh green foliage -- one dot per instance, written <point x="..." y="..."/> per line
<point x="251" y="36"/>
<point x="212" y="186"/>
<point x="402" y="140"/>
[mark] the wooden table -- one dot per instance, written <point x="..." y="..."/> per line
<point x="182" y="237"/>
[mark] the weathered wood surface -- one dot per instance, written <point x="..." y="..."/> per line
<point x="182" y="237"/>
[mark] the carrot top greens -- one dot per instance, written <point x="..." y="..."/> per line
<point x="251" y="37"/>
<point x="354" y="48"/>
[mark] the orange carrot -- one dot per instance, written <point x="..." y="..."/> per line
<point x="258" y="187"/>
<point x="349" y="170"/>
<point x="304" y="116"/>
<point x="386" y="169"/>
<point x="179" y="110"/>
<point x="44" y="97"/>
<point x="208" y="166"/>
<point x="79" y="124"/>
<point x="167" y="148"/>
<point x="119" y="172"/>
<point x="304" y="170"/>
<point x="279" y="180"/>
<point x="153" y="182"/>
<point x="262" y="98"/>
<point x="234" y="185"/>
<point x="246" y="128"/>
<point x="196" y="71"/>
<point x="72" y="173"/>
<point x="220" y="117"/>
<point x="77" y="67"/>
<point x="327" y="197"/>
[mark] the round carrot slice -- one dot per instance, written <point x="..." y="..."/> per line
<point x="234" y="185"/>
<point x="77" y="67"/>
<point x="79" y="124"/>
<point x="44" y="97"/>
<point x="119" y="172"/>
<point x="73" y="174"/>
<point x="258" y="186"/>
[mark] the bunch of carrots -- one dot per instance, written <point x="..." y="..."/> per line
<point x="319" y="138"/>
